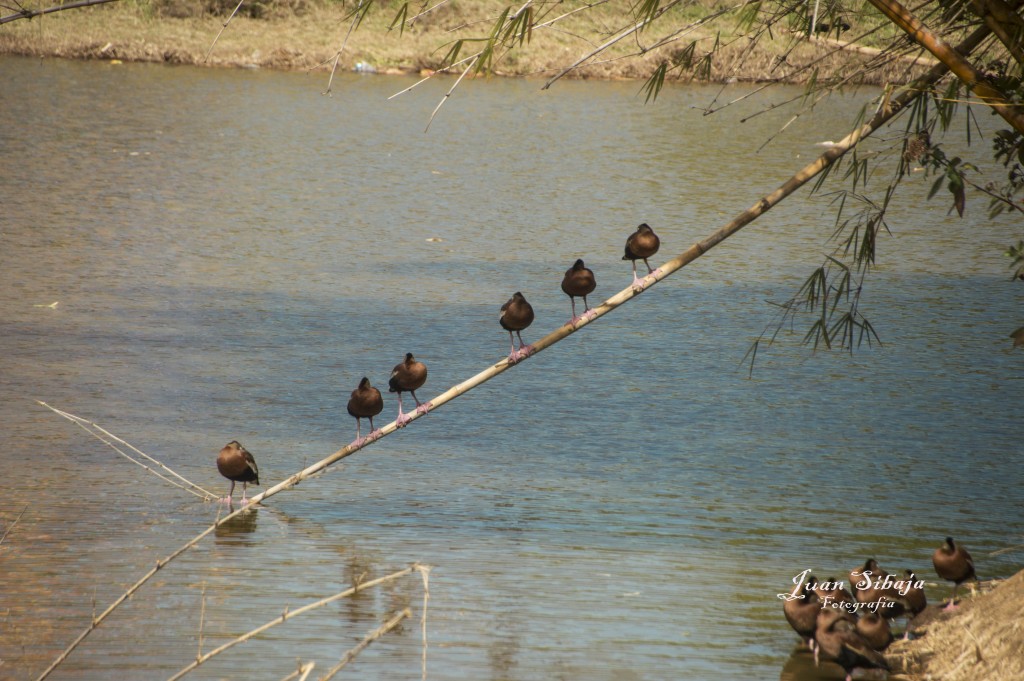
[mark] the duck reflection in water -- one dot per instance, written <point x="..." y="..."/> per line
<point x="234" y="531"/>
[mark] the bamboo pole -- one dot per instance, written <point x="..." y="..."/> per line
<point x="290" y="614"/>
<point x="1006" y="24"/>
<point x="91" y="428"/>
<point x="370" y="638"/>
<point x="954" y="60"/>
<point x="884" y="114"/>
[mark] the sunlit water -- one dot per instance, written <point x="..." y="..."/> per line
<point x="232" y="251"/>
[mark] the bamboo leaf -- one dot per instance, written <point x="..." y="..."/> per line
<point x="654" y="84"/>
<point x="400" y="18"/>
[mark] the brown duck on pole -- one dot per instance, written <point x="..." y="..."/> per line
<point x="953" y="563"/>
<point x="237" y="465"/>
<point x="408" y="376"/>
<point x="642" y="244"/>
<point x="516" y="315"/>
<point x="365" y="402"/>
<point x="579" y="282"/>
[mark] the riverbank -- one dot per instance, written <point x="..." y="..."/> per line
<point x="309" y="36"/>
<point x="981" y="639"/>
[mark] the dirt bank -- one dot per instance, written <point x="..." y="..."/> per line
<point x="310" y="34"/>
<point x="983" y="639"/>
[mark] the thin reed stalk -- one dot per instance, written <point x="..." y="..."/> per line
<point x="11" y="526"/>
<point x="291" y="614"/>
<point x="424" y="570"/>
<point x="370" y="638"/>
<point x="884" y="114"/>
<point x="103" y="435"/>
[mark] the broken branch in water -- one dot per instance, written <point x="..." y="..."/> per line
<point x="290" y="615"/>
<point x="11" y="526"/>
<point x="370" y="638"/>
<point x="107" y="437"/>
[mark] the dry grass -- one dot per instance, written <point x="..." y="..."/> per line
<point x="309" y="35"/>
<point x="982" y="639"/>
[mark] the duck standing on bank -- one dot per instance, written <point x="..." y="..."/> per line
<point x="365" y="402"/>
<point x="953" y="563"/>
<point x="237" y="465"/>
<point x="838" y="640"/>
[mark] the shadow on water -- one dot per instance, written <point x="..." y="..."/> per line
<point x="237" y="529"/>
<point x="800" y="667"/>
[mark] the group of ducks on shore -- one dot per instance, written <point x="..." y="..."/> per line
<point x="237" y="464"/>
<point x="852" y="629"/>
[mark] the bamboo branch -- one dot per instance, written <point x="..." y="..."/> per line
<point x="1006" y="24"/>
<point x="370" y="638"/>
<point x="883" y="115"/>
<point x="89" y="427"/>
<point x="337" y="55"/>
<point x="974" y="79"/>
<point x="222" y="28"/>
<point x="290" y="614"/>
<point x="30" y="13"/>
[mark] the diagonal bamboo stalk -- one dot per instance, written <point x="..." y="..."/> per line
<point x="883" y="115"/>
<point x="11" y="526"/>
<point x="91" y="428"/>
<point x="1006" y="24"/>
<point x="291" y="614"/>
<point x="370" y="638"/>
<point x="954" y="60"/>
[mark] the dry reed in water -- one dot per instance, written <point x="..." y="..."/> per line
<point x="109" y="438"/>
<point x="370" y="638"/>
<point x="288" y="615"/>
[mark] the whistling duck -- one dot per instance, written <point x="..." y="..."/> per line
<point x="579" y="281"/>
<point x="834" y="591"/>
<point x="875" y="629"/>
<point x="953" y="563"/>
<point x="802" y="612"/>
<point x="237" y="465"/>
<point x="516" y="315"/>
<point x="641" y="244"/>
<point x="365" y="402"/>
<point x="838" y="640"/>
<point x="407" y="376"/>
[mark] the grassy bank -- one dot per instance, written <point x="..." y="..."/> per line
<point x="307" y="34"/>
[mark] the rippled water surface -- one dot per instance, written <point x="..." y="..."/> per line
<point x="231" y="252"/>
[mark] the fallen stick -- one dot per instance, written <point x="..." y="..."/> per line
<point x="91" y="428"/>
<point x="287" y="615"/>
<point x="370" y="638"/>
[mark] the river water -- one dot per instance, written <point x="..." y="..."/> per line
<point x="231" y="251"/>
